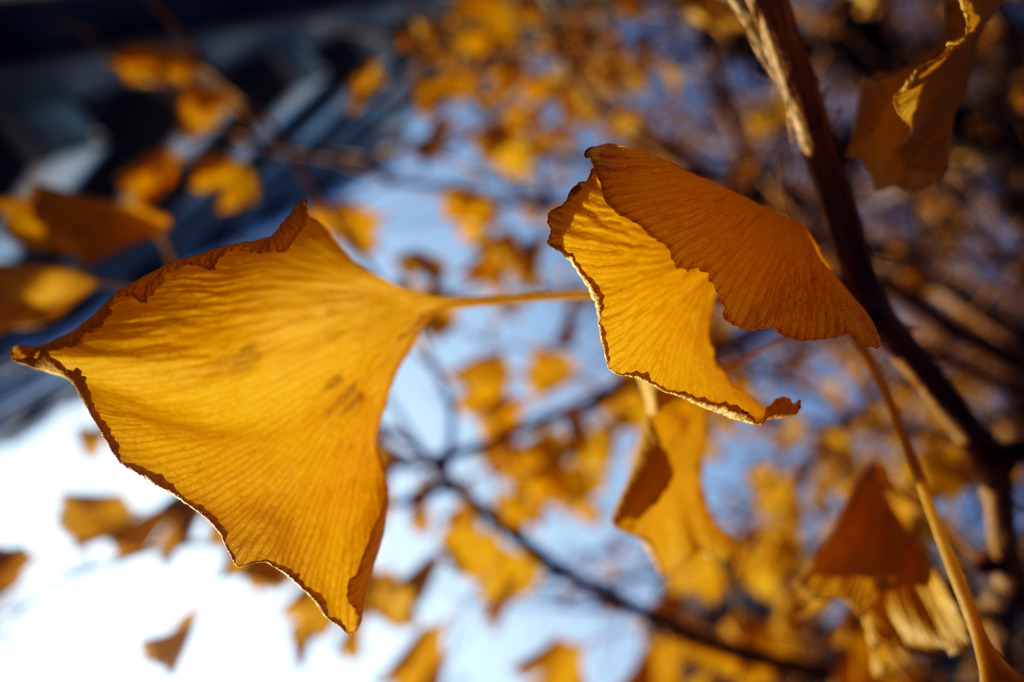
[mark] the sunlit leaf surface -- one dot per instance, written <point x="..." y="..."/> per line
<point x="250" y="381"/>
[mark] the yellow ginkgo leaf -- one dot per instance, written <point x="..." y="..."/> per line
<point x="396" y="598"/>
<point x="765" y="266"/>
<point x="904" y="130"/>
<point x="151" y="176"/>
<point x="166" y="529"/>
<point x="560" y="663"/>
<point x="90" y="518"/>
<point x="420" y="664"/>
<point x="88" y="227"/>
<point x="11" y="564"/>
<point x="548" y="369"/>
<point x="655" y="319"/>
<point x="484" y="383"/>
<point x="250" y="381"/>
<point x="357" y="225"/>
<point x="501" y="573"/>
<point x="236" y="186"/>
<point x="654" y="243"/>
<point x="203" y="110"/>
<point x="471" y="213"/>
<point x="663" y="502"/>
<point x="151" y="67"/>
<point x="877" y="566"/>
<point x="307" y="620"/>
<point x="34" y="295"/>
<point x="166" y="650"/>
<point x="363" y="82"/>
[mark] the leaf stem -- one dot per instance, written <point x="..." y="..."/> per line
<point x="506" y="299"/>
<point x="991" y="666"/>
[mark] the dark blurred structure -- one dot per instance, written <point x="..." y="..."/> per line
<point x="66" y="123"/>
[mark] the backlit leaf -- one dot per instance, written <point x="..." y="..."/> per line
<point x="501" y="573"/>
<point x="250" y="381"/>
<point x="235" y="186"/>
<point x="904" y="130"/>
<point x="87" y="227"/>
<point x="395" y="598"/>
<point x="420" y="664"/>
<point x="873" y="563"/>
<point x="549" y="369"/>
<point x="154" y="67"/>
<point x="167" y="650"/>
<point x="560" y="663"/>
<point x="34" y="295"/>
<point x="151" y="176"/>
<point x="655" y="318"/>
<point x="357" y="225"/>
<point x="307" y="620"/>
<point x="89" y="518"/>
<point x="11" y="564"/>
<point x="203" y="110"/>
<point x="765" y="266"/>
<point x="663" y="502"/>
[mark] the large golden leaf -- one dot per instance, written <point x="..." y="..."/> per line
<point x="655" y="319"/>
<point x="663" y="502"/>
<point x="250" y="381"/>
<point x="765" y="266"/>
<point x="904" y="130"/>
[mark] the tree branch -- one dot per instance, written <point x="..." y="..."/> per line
<point x="775" y="39"/>
<point x="692" y="629"/>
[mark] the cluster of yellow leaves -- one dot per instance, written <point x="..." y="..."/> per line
<point x="204" y="99"/>
<point x="516" y="60"/>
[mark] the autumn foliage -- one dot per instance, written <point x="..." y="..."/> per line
<point x="740" y="304"/>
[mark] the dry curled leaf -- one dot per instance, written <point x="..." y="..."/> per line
<point x="654" y="243"/>
<point x="232" y="392"/>
<point x="881" y="570"/>
<point x="664" y="505"/>
<point x="904" y="129"/>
